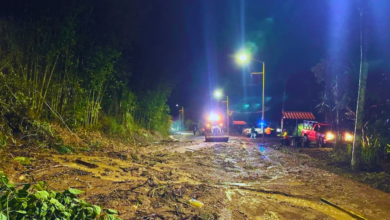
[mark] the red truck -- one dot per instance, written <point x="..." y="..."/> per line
<point x="320" y="133"/>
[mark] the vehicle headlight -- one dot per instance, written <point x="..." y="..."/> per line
<point x="214" y="117"/>
<point x="329" y="136"/>
<point x="348" y="137"/>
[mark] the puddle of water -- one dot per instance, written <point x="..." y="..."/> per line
<point x="328" y="210"/>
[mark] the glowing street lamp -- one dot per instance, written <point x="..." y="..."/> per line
<point x="243" y="58"/>
<point x="218" y="94"/>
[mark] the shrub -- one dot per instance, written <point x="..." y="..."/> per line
<point x="371" y="150"/>
<point x="36" y="202"/>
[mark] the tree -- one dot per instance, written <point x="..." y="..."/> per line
<point x="189" y="124"/>
<point x="335" y="75"/>
<point x="363" y="72"/>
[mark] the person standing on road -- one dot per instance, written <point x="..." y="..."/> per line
<point x="286" y="139"/>
<point x="253" y="134"/>
<point x="195" y="128"/>
<point x="268" y="131"/>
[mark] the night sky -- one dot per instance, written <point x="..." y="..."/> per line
<point x="194" y="40"/>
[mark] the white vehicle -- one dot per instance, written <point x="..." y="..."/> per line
<point x="247" y="131"/>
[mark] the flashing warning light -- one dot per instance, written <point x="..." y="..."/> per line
<point x="214" y="117"/>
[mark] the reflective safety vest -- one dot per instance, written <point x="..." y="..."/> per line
<point x="285" y="135"/>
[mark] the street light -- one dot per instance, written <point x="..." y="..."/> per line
<point x="242" y="58"/>
<point x="218" y="94"/>
<point x="181" y="112"/>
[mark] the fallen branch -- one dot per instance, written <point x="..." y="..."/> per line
<point x="344" y="210"/>
<point x="90" y="165"/>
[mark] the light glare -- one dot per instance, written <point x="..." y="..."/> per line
<point x="218" y="93"/>
<point x="329" y="136"/>
<point x="214" y="117"/>
<point x="243" y="57"/>
<point x="348" y="137"/>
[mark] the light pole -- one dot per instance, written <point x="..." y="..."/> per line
<point x="243" y="58"/>
<point x="218" y="94"/>
<point x="181" y="112"/>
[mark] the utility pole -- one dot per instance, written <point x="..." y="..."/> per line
<point x="284" y="97"/>
<point x="182" y="117"/>
<point x="262" y="112"/>
<point x="227" y="114"/>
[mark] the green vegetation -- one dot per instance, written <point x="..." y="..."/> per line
<point x="27" y="201"/>
<point x="26" y="161"/>
<point x="335" y="104"/>
<point x="67" y="64"/>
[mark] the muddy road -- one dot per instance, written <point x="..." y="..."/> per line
<point x="236" y="180"/>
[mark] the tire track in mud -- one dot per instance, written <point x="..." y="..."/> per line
<point x="296" y="200"/>
<point x="247" y="194"/>
<point x="277" y="196"/>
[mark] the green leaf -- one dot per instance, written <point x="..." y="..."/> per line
<point x="110" y="217"/>
<point x="67" y="214"/>
<point x="4" y="179"/>
<point x="112" y="211"/>
<point x="11" y="185"/>
<point x="97" y="209"/>
<point x="2" y="216"/>
<point x="62" y="149"/>
<point x="90" y="210"/>
<point x="67" y="200"/>
<point x="75" y="191"/>
<point x="21" y="211"/>
<point x="44" y="207"/>
<point x="41" y="195"/>
<point x="40" y="185"/>
<point x="58" y="205"/>
<point x="53" y="194"/>
<point x="26" y="161"/>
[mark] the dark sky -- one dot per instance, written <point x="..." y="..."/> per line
<point x="193" y="41"/>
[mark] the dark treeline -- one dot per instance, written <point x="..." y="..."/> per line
<point x="72" y="62"/>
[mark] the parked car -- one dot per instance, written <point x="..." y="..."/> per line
<point x="320" y="133"/>
<point x="247" y="131"/>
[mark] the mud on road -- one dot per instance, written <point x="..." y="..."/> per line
<point x="236" y="180"/>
